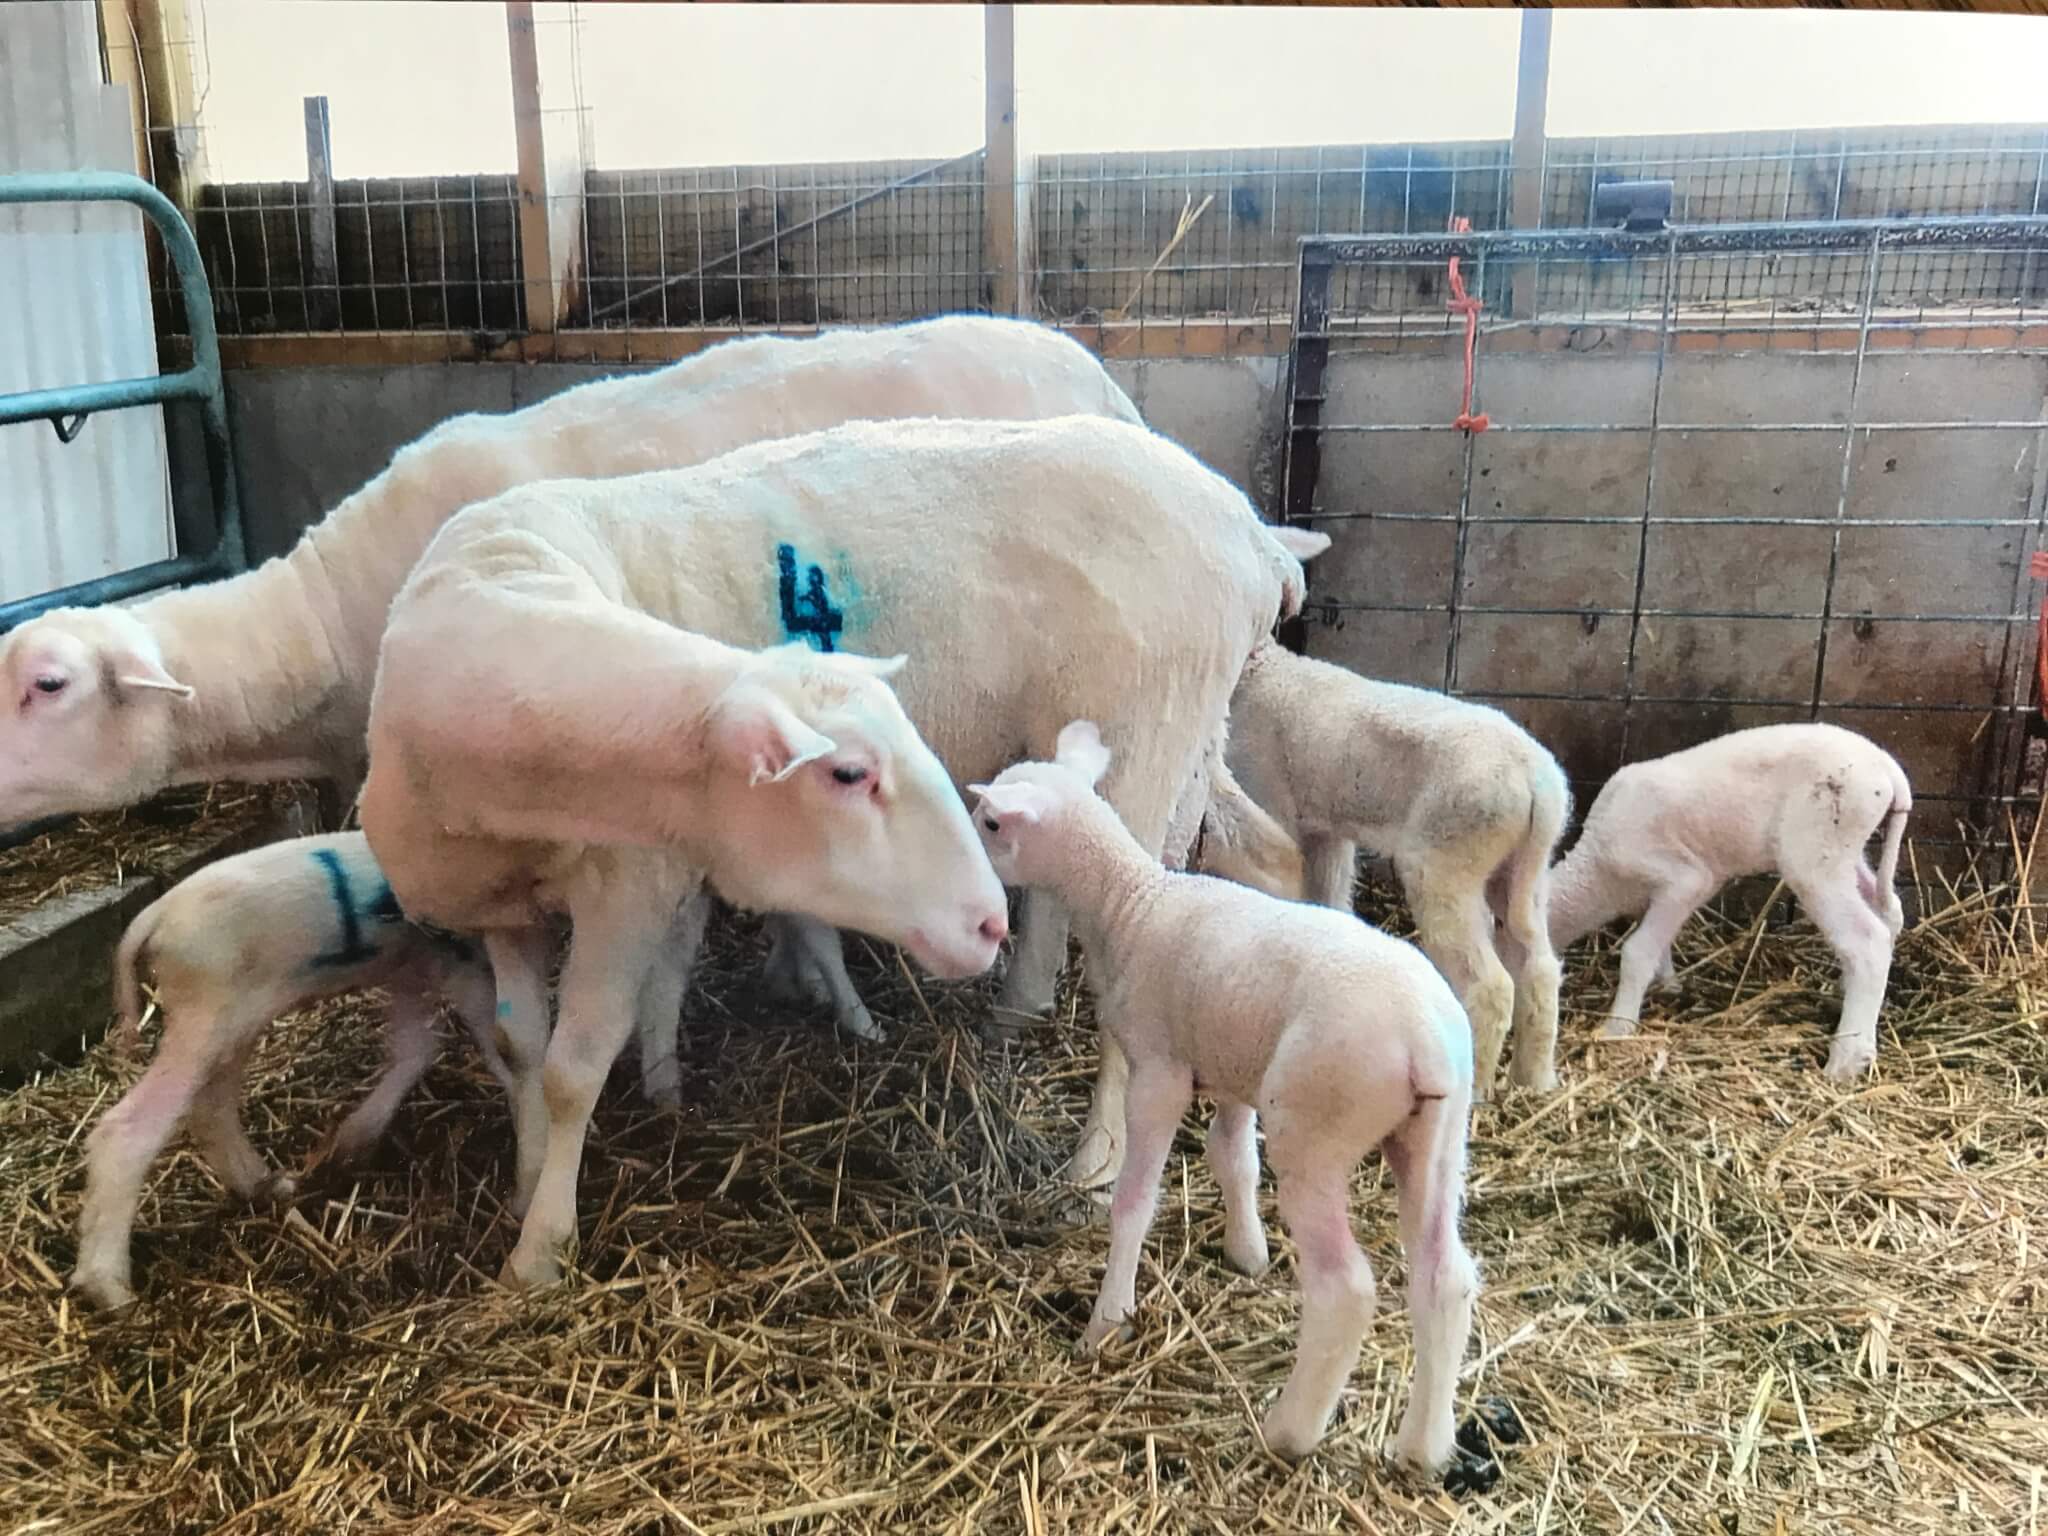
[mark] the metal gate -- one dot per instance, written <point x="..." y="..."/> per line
<point x="1732" y="474"/>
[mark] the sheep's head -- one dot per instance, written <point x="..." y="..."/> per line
<point x="1018" y="815"/>
<point x="87" y="721"/>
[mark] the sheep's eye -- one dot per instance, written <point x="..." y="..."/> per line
<point x="991" y="823"/>
<point x="849" y="775"/>
<point x="49" y="685"/>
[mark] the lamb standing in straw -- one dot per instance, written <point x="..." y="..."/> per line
<point x="1341" y="1037"/>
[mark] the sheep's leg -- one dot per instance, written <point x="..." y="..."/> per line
<point x="785" y="977"/>
<point x="119" y="1152"/>
<point x="821" y="954"/>
<point x="1337" y="1300"/>
<point x="218" y="1133"/>
<point x="1863" y="943"/>
<point x="410" y="1046"/>
<point x="1667" y="974"/>
<point x="1454" y="923"/>
<point x="658" y="1017"/>
<point x="518" y="1047"/>
<point x="611" y="947"/>
<point x="1234" y="1160"/>
<point x="1648" y="949"/>
<point x="1330" y="870"/>
<point x="1032" y="980"/>
<point x="1427" y="1159"/>
<point x="1159" y="1097"/>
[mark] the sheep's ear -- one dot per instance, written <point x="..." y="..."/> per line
<point x="132" y="669"/>
<point x="1080" y="748"/>
<point x="759" y="732"/>
<point x="1302" y="543"/>
<point x="1009" y="805"/>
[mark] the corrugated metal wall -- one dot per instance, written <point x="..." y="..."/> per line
<point x="74" y="309"/>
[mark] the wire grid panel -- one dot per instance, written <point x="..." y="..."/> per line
<point x="1672" y="532"/>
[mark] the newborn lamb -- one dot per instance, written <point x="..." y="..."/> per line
<point x="1343" y="1038"/>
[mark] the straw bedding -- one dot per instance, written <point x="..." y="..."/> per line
<point x="840" y="1292"/>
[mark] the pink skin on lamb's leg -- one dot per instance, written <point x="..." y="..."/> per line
<point x="1159" y="1096"/>
<point x="1425" y="1156"/>
<point x="1234" y="1161"/>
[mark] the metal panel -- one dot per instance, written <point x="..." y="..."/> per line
<point x="74" y="308"/>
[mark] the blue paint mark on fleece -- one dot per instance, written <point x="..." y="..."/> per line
<point x="504" y="1007"/>
<point x="381" y="908"/>
<point x="807" y="611"/>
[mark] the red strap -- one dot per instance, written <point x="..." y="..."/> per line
<point x="1462" y="303"/>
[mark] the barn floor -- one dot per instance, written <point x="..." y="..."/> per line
<point x="1723" y="1295"/>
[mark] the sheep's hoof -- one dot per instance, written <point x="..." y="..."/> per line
<point x="856" y="1023"/>
<point x="1247" y="1253"/>
<point x="1098" y="1333"/>
<point x="1030" y="1002"/>
<point x="1287" y="1439"/>
<point x="279" y="1189"/>
<point x="103" y="1292"/>
<point x="662" y="1084"/>
<point x="525" y="1271"/>
<point x="1097" y="1161"/>
<point x="1850" y="1059"/>
<point x="1422" y="1453"/>
<point x="1616" y="1029"/>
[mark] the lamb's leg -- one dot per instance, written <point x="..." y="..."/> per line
<point x="1330" y="866"/>
<point x="785" y="975"/>
<point x="1234" y="1160"/>
<point x="219" y="1135"/>
<point x="1427" y="1159"/>
<point x="1032" y="980"/>
<point x="519" y="1046"/>
<point x="119" y="1152"/>
<point x="1454" y="923"/>
<point x="658" y="1016"/>
<point x="1648" y="949"/>
<point x="1863" y="943"/>
<point x="1337" y="1299"/>
<point x="1538" y="977"/>
<point x="410" y="1046"/>
<point x="613" y="941"/>
<point x="1100" y="1156"/>
<point x="1159" y="1097"/>
<point x="821" y="955"/>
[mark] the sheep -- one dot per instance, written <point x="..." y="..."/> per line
<point x="1033" y="568"/>
<point x="1466" y="803"/>
<point x="1664" y="835"/>
<point x="267" y="675"/>
<point x="239" y="942"/>
<point x="1339" y="1036"/>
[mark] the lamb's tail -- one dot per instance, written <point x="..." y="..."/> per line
<point x="128" y="956"/>
<point x="1885" y="897"/>
<point x="1241" y="842"/>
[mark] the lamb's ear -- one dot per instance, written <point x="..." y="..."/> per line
<point x="1080" y="748"/>
<point x="132" y="669"/>
<point x="756" y="730"/>
<point x="1302" y="543"/>
<point x="1009" y="805"/>
<point x="874" y="666"/>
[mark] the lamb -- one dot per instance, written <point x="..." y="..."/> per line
<point x="1341" y="1037"/>
<point x="236" y="944"/>
<point x="1803" y="800"/>
<point x="267" y="675"/>
<point x="1466" y="803"/>
<point x="1034" y="569"/>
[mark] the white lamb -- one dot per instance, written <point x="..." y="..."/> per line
<point x="1467" y="804"/>
<point x="233" y="946"/>
<point x="267" y="675"/>
<point x="1342" y="1038"/>
<point x="1801" y="800"/>
<point x="1034" y="570"/>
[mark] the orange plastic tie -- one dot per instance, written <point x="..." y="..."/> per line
<point x="1462" y="303"/>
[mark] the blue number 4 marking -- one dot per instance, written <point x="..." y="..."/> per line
<point x="808" y="613"/>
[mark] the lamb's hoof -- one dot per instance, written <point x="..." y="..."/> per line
<point x="1288" y="1438"/>
<point x="662" y="1085"/>
<point x="280" y="1188"/>
<point x="103" y="1292"/>
<point x="1423" y="1454"/>
<point x="525" y="1271"/>
<point x="786" y="979"/>
<point x="1028" y="1002"/>
<point x="1100" y="1332"/>
<point x="1616" y="1029"/>
<point x="1097" y="1161"/>
<point x="1247" y="1254"/>
<point x="1849" y="1060"/>
<point x="858" y="1024"/>
<point x="1544" y="1082"/>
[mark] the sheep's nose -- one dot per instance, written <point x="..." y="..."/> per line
<point x="995" y="928"/>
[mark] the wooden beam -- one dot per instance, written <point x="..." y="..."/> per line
<point x="1532" y="108"/>
<point x="124" y="68"/>
<point x="323" y="293"/>
<point x="1009" y="174"/>
<point x="165" y="43"/>
<point x="552" y="130"/>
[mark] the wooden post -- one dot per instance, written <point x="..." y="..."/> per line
<point x="322" y="280"/>
<point x="1532" y="105"/>
<point x="124" y="68"/>
<point x="1009" y="175"/>
<point x="552" y="130"/>
<point x="164" y="38"/>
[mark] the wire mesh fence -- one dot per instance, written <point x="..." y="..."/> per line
<point x="1673" y="530"/>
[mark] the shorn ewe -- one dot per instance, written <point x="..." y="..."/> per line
<point x="1801" y="800"/>
<point x="232" y="947"/>
<point x="1034" y="573"/>
<point x="267" y="675"/>
<point x="1467" y="804"/>
<point x="1341" y="1038"/>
